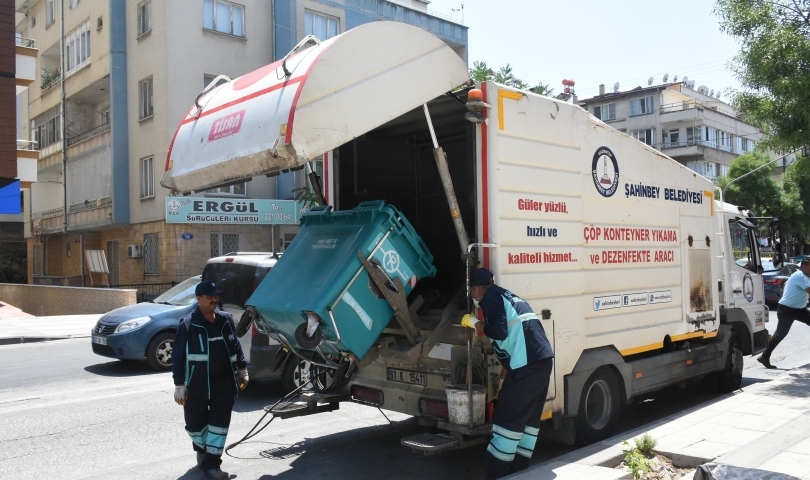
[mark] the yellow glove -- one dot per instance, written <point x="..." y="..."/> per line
<point x="469" y="321"/>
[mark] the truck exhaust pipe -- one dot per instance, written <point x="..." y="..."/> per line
<point x="449" y="191"/>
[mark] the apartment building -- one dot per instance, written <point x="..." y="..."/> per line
<point x="129" y="72"/>
<point x="683" y="122"/>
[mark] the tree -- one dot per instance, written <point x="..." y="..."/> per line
<point x="762" y="193"/>
<point x="773" y="66"/>
<point x="481" y="72"/>
<point x="796" y="183"/>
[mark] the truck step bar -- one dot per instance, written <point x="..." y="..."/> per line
<point x="435" y="443"/>
<point x="299" y="409"/>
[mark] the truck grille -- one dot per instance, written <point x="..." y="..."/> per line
<point x="104" y="329"/>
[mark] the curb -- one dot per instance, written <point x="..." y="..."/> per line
<point x="18" y="340"/>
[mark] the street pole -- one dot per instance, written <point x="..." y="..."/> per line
<point x="63" y="62"/>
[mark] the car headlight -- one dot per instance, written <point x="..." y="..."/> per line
<point x="132" y="324"/>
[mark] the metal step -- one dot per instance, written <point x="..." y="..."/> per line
<point x="484" y="429"/>
<point x="430" y="443"/>
<point x="299" y="409"/>
<point x="324" y="397"/>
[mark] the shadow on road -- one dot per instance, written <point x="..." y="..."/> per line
<point x="121" y="368"/>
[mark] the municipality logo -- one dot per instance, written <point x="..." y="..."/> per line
<point x="605" y="171"/>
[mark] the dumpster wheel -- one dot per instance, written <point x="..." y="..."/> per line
<point x="306" y="341"/>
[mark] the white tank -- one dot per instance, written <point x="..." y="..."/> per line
<point x="269" y="120"/>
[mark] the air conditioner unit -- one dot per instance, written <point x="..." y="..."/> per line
<point x="134" y="251"/>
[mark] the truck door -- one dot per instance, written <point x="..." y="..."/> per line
<point x="746" y="281"/>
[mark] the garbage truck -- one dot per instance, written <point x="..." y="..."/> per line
<point x="642" y="276"/>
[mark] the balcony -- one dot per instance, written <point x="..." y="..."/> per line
<point x="74" y="138"/>
<point x="27" y="156"/>
<point x="26" y="63"/>
<point x="50" y="79"/>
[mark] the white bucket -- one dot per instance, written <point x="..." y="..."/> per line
<point x="458" y="404"/>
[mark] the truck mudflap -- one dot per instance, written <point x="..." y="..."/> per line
<point x="284" y="114"/>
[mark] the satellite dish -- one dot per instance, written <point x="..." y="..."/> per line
<point x="711" y="94"/>
<point x="666" y="77"/>
<point x="616" y="87"/>
<point x="692" y="84"/>
<point x="718" y="94"/>
<point x="675" y="80"/>
<point x="649" y="81"/>
<point x="686" y="81"/>
<point x="703" y="89"/>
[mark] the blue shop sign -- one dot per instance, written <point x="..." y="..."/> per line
<point x="187" y="236"/>
<point x="233" y="211"/>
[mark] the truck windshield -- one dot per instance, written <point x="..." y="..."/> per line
<point x="742" y="245"/>
<point x="181" y="294"/>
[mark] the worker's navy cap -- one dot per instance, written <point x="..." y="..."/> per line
<point x="481" y="277"/>
<point x="207" y="288"/>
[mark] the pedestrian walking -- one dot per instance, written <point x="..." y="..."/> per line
<point x="521" y="346"/>
<point x="792" y="306"/>
<point x="208" y="368"/>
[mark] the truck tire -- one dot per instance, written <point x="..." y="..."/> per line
<point x="730" y="378"/>
<point x="599" y="407"/>
<point x="159" y="351"/>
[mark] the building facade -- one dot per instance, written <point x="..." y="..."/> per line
<point x="688" y="125"/>
<point x="130" y="71"/>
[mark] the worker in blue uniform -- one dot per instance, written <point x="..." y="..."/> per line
<point x="208" y="368"/>
<point x="521" y="345"/>
<point x="792" y="307"/>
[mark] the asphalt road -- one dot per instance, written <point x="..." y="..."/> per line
<point x="67" y="413"/>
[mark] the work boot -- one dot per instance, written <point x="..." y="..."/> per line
<point x="200" y="456"/>
<point x="216" y="474"/>
<point x="765" y="361"/>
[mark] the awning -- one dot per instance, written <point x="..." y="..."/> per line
<point x="267" y="121"/>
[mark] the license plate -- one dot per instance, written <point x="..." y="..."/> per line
<point x="404" y="376"/>
<point x="100" y="340"/>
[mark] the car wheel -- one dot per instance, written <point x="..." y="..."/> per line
<point x="730" y="378"/>
<point x="293" y="376"/>
<point x="159" y="351"/>
<point x="598" y="407"/>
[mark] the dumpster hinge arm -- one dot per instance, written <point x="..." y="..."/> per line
<point x="447" y="183"/>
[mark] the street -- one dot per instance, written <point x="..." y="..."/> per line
<point x="68" y="413"/>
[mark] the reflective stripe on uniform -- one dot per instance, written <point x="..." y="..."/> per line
<point x="500" y="455"/>
<point x="199" y="438"/>
<point x="215" y="338"/>
<point x="197" y="357"/>
<point x="523" y="318"/>
<point x="233" y="358"/>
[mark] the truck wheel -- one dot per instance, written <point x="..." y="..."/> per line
<point x="598" y="407"/>
<point x="730" y="378"/>
<point x="159" y="351"/>
<point x="293" y="377"/>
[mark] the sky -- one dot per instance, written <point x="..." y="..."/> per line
<point x="599" y="41"/>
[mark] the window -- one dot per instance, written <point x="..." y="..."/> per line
<point x="605" y="112"/>
<point x="726" y="140"/>
<point x="73" y="3"/>
<point x="145" y="109"/>
<point x="104" y="116"/>
<point x="321" y="26"/>
<point x="644" y="136"/>
<point x="46" y="129"/>
<point x="224" y="17"/>
<point x="741" y="246"/>
<point x="145" y="17"/>
<point x="67" y="249"/>
<point x="237" y="189"/>
<point x="37" y="259"/>
<point x="50" y="14"/>
<point x="675" y="137"/>
<point x="151" y="264"/>
<point x="641" y="106"/>
<point x="224" y="243"/>
<point x="77" y="48"/>
<point x="723" y="170"/>
<point x="147" y="177"/>
<point x="99" y="23"/>
<point x="694" y="135"/>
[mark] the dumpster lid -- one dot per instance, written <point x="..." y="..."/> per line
<point x="266" y="121"/>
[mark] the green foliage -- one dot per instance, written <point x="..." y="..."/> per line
<point x="481" y="72"/>
<point x="635" y="460"/>
<point x="772" y="66"/>
<point x="306" y="195"/>
<point x="14" y="262"/>
<point x="646" y="444"/>
<point x="796" y="184"/>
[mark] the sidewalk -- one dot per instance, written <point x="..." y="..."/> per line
<point x="764" y="426"/>
<point x="37" y="329"/>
